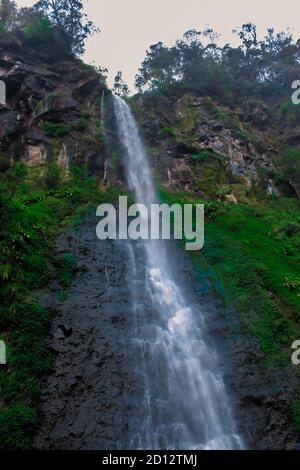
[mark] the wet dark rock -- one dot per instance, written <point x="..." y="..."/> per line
<point x="35" y="136"/>
<point x="82" y="399"/>
<point x="258" y="114"/>
<point x="42" y="90"/>
<point x="9" y="124"/>
<point x="66" y="331"/>
<point x="60" y="101"/>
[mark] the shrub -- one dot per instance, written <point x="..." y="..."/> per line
<point x="56" y="129"/>
<point x="17" y="425"/>
<point x="66" y="267"/>
<point x="168" y="131"/>
<point x="290" y="167"/>
<point x="27" y="355"/>
<point x="82" y="124"/>
<point x="53" y="176"/>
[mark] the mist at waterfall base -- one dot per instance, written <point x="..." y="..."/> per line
<point x="183" y="403"/>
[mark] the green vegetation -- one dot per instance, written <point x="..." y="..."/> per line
<point x="17" y="424"/>
<point x="66" y="269"/>
<point x="31" y="219"/>
<point x="255" y="251"/>
<point x="28" y="358"/>
<point x="208" y="155"/>
<point x="66" y="266"/>
<point x="290" y="112"/>
<point x="258" y="71"/>
<point x="60" y="23"/>
<point x="253" y="255"/>
<point x="82" y="124"/>
<point x="53" y="176"/>
<point x="290" y="167"/>
<point x="56" y="129"/>
<point x="253" y="261"/>
<point x="40" y="28"/>
<point x="168" y="131"/>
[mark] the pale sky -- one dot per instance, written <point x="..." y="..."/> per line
<point x="129" y="27"/>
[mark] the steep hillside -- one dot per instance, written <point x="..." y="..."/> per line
<point x="214" y="150"/>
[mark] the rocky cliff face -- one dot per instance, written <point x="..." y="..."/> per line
<point x="52" y="112"/>
<point x="216" y="151"/>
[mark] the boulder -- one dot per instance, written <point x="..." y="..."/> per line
<point x="59" y="101"/>
<point x="10" y="123"/>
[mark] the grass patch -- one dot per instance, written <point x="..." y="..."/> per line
<point x="253" y="255"/>
<point x="206" y="155"/>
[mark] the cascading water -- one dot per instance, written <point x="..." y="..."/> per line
<point x="184" y="402"/>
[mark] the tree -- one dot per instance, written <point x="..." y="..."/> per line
<point x="120" y="88"/>
<point x="69" y="17"/>
<point x="248" y="35"/>
<point x="259" y="70"/>
<point x="159" y="67"/>
<point x="8" y="15"/>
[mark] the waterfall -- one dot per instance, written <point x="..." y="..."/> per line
<point x="185" y="405"/>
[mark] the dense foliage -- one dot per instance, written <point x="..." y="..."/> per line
<point x="68" y="16"/>
<point x="260" y="69"/>
<point x="31" y="218"/>
<point x="51" y="22"/>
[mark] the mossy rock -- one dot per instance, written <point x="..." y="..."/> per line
<point x="241" y="192"/>
<point x="210" y="172"/>
<point x="189" y="121"/>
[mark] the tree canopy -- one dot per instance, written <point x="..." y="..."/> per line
<point x="260" y="69"/>
<point x="62" y="21"/>
<point x="8" y="13"/>
<point x="69" y="16"/>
